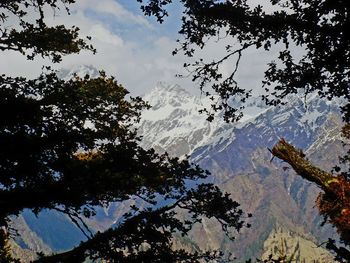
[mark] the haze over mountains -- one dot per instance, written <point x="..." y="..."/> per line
<point x="284" y="218"/>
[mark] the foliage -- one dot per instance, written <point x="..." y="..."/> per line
<point x="71" y="146"/>
<point x="319" y="27"/>
<point x="336" y="207"/>
<point x="146" y="236"/>
<point x="37" y="38"/>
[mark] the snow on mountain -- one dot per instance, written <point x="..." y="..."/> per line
<point x="174" y="123"/>
<point x="80" y="70"/>
<point x="236" y="155"/>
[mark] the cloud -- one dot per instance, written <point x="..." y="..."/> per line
<point x="114" y="9"/>
<point x="136" y="54"/>
<point x="102" y="34"/>
<point x="138" y="57"/>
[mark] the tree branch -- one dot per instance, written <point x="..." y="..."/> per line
<point x="296" y="158"/>
<point x="334" y="203"/>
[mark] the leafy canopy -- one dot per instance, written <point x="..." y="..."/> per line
<point x="319" y="27"/>
<point x="71" y="146"/>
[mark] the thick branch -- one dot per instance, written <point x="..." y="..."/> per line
<point x="295" y="157"/>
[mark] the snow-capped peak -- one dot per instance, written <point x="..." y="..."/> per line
<point x="174" y="123"/>
<point x="164" y="94"/>
<point x="167" y="100"/>
<point x="80" y="70"/>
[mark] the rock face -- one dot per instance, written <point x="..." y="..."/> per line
<point x="174" y="124"/>
<point x="293" y="247"/>
<point x="26" y="243"/>
<point x="239" y="162"/>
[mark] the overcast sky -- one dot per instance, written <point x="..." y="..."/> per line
<point x="133" y="48"/>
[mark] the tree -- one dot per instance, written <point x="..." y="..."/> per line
<point x="70" y="146"/>
<point x="320" y="28"/>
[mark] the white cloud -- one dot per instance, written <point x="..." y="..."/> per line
<point x="138" y="57"/>
<point x="113" y="8"/>
<point x="102" y="34"/>
<point x="138" y="63"/>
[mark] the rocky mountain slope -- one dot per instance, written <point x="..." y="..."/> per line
<point x="291" y="246"/>
<point x="237" y="156"/>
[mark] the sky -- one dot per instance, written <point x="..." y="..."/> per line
<point x="133" y="48"/>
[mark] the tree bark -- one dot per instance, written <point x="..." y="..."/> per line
<point x="303" y="167"/>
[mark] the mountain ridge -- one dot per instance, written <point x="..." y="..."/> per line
<point x="237" y="156"/>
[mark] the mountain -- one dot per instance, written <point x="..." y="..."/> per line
<point x="238" y="158"/>
<point x="240" y="163"/>
<point x="282" y="243"/>
<point x="174" y="123"/>
<point x="79" y="70"/>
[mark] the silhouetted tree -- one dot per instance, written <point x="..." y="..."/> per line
<point x="318" y="27"/>
<point x="71" y="146"/>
